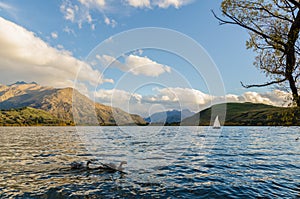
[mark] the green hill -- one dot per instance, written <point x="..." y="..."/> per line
<point x="29" y="117"/>
<point x="248" y="114"/>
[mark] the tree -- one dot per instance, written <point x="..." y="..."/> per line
<point x="273" y="26"/>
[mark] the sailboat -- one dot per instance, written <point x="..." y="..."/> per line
<point x="217" y="123"/>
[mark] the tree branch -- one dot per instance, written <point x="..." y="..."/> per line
<point x="222" y="21"/>
<point x="263" y="85"/>
<point x="291" y="8"/>
<point x="236" y="21"/>
<point x="260" y="7"/>
<point x="296" y="3"/>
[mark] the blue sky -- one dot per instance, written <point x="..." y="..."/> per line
<point x="72" y="29"/>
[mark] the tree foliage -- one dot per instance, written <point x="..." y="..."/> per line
<point x="273" y="26"/>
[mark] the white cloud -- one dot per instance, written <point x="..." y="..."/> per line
<point x="9" y="9"/>
<point x="182" y="95"/>
<point x="139" y="3"/>
<point x="182" y="98"/>
<point x="106" y="59"/>
<point x="143" y="65"/>
<point x="122" y="96"/>
<point x="59" y="46"/>
<point x="89" y="18"/>
<point x="87" y="11"/>
<point x="54" y="35"/>
<point x="68" y="10"/>
<point x="136" y="65"/>
<point x="106" y="21"/>
<point x="169" y="3"/>
<point x="138" y="52"/>
<point x="93" y="3"/>
<point x="166" y="98"/>
<point x="256" y="98"/>
<point x="129" y="102"/>
<point x="70" y="15"/>
<point x="69" y="30"/>
<point x="158" y="3"/>
<point x="24" y="56"/>
<point x="110" y="22"/>
<point x="5" y="6"/>
<point x="78" y="13"/>
<point x="275" y="98"/>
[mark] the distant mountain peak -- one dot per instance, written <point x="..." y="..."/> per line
<point x="170" y="116"/>
<point x="21" y="83"/>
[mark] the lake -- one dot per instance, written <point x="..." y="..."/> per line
<point x="162" y="162"/>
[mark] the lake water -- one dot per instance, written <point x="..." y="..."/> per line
<point x="163" y="162"/>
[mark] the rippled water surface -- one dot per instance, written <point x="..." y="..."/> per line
<point x="168" y="162"/>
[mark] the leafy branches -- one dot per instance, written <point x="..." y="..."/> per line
<point x="273" y="27"/>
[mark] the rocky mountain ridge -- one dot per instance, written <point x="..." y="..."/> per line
<point x="59" y="103"/>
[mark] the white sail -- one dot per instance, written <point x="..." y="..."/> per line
<point x="217" y="123"/>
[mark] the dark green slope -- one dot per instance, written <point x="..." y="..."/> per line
<point x="249" y="114"/>
<point x="29" y="117"/>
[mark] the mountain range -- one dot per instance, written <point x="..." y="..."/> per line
<point x="169" y="117"/>
<point x="59" y="103"/>
<point x="24" y="103"/>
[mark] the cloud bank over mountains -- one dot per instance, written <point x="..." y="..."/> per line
<point x="182" y="98"/>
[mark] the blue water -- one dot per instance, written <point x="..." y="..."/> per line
<point x="163" y="162"/>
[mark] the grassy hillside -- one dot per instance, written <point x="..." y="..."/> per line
<point x="249" y="114"/>
<point x="29" y="117"/>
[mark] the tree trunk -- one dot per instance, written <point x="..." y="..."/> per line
<point x="294" y="90"/>
<point x="293" y="35"/>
